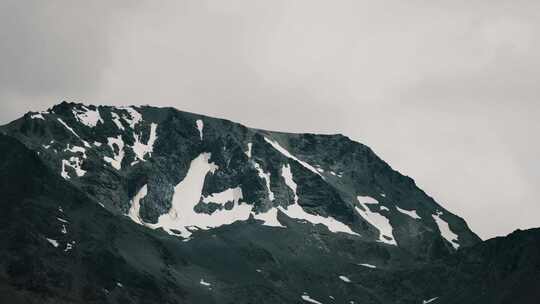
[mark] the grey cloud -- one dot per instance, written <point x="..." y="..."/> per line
<point x="52" y="49"/>
<point x="445" y="91"/>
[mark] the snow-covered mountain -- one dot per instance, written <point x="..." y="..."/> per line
<point x="183" y="172"/>
<point x="216" y="212"/>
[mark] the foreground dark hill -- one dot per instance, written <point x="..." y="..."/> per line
<point x="73" y="237"/>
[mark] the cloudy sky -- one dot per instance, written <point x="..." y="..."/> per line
<point x="446" y="91"/>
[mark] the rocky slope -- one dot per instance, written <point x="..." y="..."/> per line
<point x="144" y="204"/>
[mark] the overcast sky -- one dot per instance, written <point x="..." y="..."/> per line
<point x="447" y="92"/>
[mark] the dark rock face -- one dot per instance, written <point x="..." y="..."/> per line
<point x="146" y="205"/>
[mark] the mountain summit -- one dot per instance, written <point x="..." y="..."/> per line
<point x="145" y="204"/>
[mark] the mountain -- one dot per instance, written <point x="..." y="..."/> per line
<point x="144" y="205"/>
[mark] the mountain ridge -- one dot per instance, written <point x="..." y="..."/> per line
<point x="274" y="145"/>
<point x="74" y="239"/>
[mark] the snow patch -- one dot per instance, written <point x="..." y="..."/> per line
<point x="72" y="131"/>
<point x="344" y="279"/>
<point x="266" y="177"/>
<point x="367" y="265"/>
<point x="287" y="175"/>
<point x="248" y="153"/>
<point x="376" y="220"/>
<point x="61" y="220"/>
<point x="445" y="230"/>
<point x="307" y="298"/>
<point x="75" y="149"/>
<point x="134" y="116"/>
<point x="134" y="210"/>
<point x="269" y="218"/>
<point x="116" y="161"/>
<point x="429" y="301"/>
<point x="228" y="195"/>
<point x="204" y="283"/>
<point x="283" y="151"/>
<point x="200" y="126"/>
<point x="87" y="117"/>
<point x="75" y="163"/>
<point x="37" y="116"/>
<point x="296" y="211"/>
<point x="69" y="246"/>
<point x="140" y="149"/>
<point x="117" y="122"/>
<point x="52" y="242"/>
<point x="411" y="213"/>
<point x="187" y="194"/>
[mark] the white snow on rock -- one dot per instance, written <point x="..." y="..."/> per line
<point x="37" y="116"/>
<point x="269" y="218"/>
<point x="87" y="117"/>
<point x="134" y="116"/>
<point x="367" y="265"/>
<point x="72" y="131"/>
<point x="75" y="149"/>
<point x="287" y="175"/>
<point x="266" y="177"/>
<point x="377" y="220"/>
<point x="200" y="126"/>
<point x="61" y="220"/>
<point x="336" y="174"/>
<point x="429" y="301"/>
<point x="68" y="127"/>
<point x="69" y="246"/>
<point x="307" y="298"/>
<point x="140" y="149"/>
<point x="344" y="279"/>
<point x="116" y="161"/>
<point x="187" y="194"/>
<point x="134" y="210"/>
<point x="64" y="229"/>
<point x="445" y="230"/>
<point x="296" y="211"/>
<point x="228" y="195"/>
<point x="182" y="216"/>
<point x="411" y="213"/>
<point x="283" y="151"/>
<point x="248" y="152"/>
<point x="75" y="163"/>
<point x="204" y="283"/>
<point x="117" y="122"/>
<point x="52" y="242"/>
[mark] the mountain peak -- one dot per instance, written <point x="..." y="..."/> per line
<point x="138" y="161"/>
<point x="159" y="205"/>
